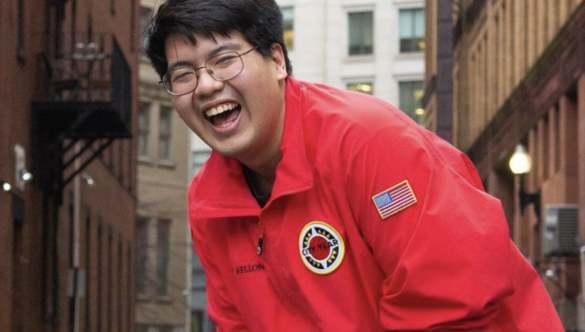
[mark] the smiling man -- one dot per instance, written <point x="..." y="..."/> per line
<point x="325" y="210"/>
<point x="242" y="119"/>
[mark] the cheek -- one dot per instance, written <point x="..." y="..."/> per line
<point x="183" y="105"/>
<point x="180" y="102"/>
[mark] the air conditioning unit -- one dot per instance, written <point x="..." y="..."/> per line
<point x="561" y="233"/>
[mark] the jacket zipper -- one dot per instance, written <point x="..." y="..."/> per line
<point x="260" y="238"/>
<point x="260" y="247"/>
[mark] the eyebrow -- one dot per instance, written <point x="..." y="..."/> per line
<point x="230" y="46"/>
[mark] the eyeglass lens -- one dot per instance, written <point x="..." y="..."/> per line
<point x="221" y="67"/>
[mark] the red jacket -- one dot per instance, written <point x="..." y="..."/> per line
<point x="374" y="224"/>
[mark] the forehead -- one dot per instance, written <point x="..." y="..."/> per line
<point x="179" y="48"/>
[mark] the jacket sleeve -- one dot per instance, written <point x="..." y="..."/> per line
<point x="220" y="306"/>
<point x="447" y="258"/>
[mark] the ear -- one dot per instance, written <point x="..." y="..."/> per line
<point x="279" y="61"/>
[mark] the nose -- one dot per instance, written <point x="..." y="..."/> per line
<point x="206" y="85"/>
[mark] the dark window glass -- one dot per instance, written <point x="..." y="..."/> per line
<point x="412" y="30"/>
<point x="165" y="133"/>
<point x="288" y="25"/>
<point x="410" y="99"/>
<point x="163" y="256"/>
<point x="361" y="33"/>
<point x="145" y="18"/>
<point x="144" y="130"/>
<point x="142" y="257"/>
<point x="198" y="159"/>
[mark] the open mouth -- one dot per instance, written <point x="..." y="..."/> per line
<point x="223" y="115"/>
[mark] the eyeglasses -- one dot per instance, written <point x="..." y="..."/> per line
<point x="221" y="67"/>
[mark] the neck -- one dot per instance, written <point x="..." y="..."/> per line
<point x="263" y="176"/>
<point x="263" y="161"/>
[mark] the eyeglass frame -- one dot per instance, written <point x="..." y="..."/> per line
<point x="195" y="70"/>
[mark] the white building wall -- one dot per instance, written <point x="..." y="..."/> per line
<point x="321" y="43"/>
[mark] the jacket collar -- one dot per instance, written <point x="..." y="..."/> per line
<point x="221" y="189"/>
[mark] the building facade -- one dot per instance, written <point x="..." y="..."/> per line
<point x="163" y="241"/>
<point x="519" y="80"/>
<point x="375" y="47"/>
<point x="68" y="172"/>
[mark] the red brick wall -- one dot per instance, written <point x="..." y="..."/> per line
<point x="110" y="202"/>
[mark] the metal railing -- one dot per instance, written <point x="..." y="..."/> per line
<point x="88" y="73"/>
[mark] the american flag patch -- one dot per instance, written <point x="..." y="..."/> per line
<point x="395" y="199"/>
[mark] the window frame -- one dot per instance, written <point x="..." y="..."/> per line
<point x="165" y="137"/>
<point x="144" y="133"/>
<point x="195" y="165"/>
<point x="146" y="14"/>
<point x="368" y="52"/>
<point x="413" y="38"/>
<point x="369" y="82"/>
<point x="163" y="257"/>
<point x="289" y="46"/>
<point x="411" y="113"/>
<point x="142" y="252"/>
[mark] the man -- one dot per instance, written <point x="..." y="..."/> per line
<point x="325" y="210"/>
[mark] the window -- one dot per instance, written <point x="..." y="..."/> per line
<point x="157" y="328"/>
<point x="412" y="30"/>
<point x="142" y="274"/>
<point x="361" y="33"/>
<point x="145" y="18"/>
<point x="410" y="99"/>
<point x="288" y="26"/>
<point x="199" y="158"/>
<point x="361" y="87"/>
<point x="141" y="328"/>
<point x="165" y="133"/>
<point x="197" y="317"/>
<point x="163" y="255"/>
<point x="144" y="130"/>
<point x="20" y="46"/>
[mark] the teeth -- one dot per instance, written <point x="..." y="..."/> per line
<point x="220" y="109"/>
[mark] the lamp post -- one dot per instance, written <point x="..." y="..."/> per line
<point x="520" y="164"/>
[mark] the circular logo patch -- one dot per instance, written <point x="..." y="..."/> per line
<point x="321" y="247"/>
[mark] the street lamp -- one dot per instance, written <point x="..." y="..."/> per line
<point x="520" y="164"/>
<point x="25" y="175"/>
<point x="5" y="186"/>
<point x="89" y="181"/>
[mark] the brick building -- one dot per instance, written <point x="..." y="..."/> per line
<point x="163" y="237"/>
<point x="518" y="78"/>
<point x="68" y="72"/>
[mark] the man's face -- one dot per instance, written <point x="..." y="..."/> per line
<point x="242" y="117"/>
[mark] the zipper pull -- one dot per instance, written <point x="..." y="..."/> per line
<point x="259" y="250"/>
<point x="261" y="238"/>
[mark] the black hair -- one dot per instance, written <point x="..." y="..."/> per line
<point x="259" y="22"/>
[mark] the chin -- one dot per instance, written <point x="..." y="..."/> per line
<point x="236" y="147"/>
<point x="229" y="152"/>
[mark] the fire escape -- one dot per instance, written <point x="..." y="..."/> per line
<point x="84" y="104"/>
<point x="87" y="101"/>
